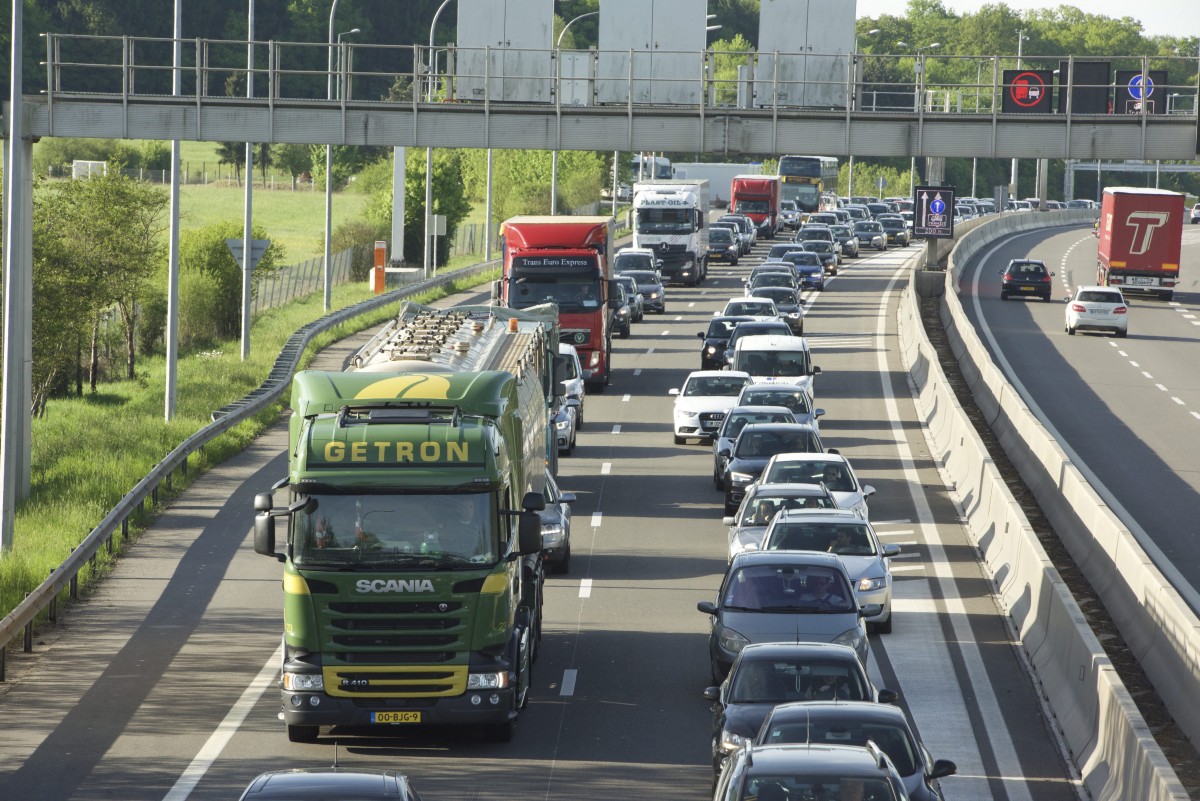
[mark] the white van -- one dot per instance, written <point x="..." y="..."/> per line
<point x="770" y="357"/>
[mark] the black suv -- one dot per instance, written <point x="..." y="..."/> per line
<point x="1027" y="277"/>
<point x="716" y="339"/>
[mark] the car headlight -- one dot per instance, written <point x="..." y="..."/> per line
<point x="552" y="535"/>
<point x="688" y="415"/>
<point x="653" y="296"/>
<point x="710" y="350"/>
<point x="731" y="641"/>
<point x="623" y="311"/>
<point x="487" y="681"/>
<point x="871" y="584"/>
<point x="304" y="682"/>
<point x="853" y="638"/>
<point x="562" y="425"/>
<point x="793" y="315"/>
<point x="731" y="742"/>
<point x="741" y="478"/>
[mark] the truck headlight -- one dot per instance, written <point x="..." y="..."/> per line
<point x="304" y="682"/>
<point x="487" y="681"/>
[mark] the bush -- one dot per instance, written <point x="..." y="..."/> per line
<point x="361" y="236"/>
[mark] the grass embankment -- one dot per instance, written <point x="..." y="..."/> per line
<point x="89" y="452"/>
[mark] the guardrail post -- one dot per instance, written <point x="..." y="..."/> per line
<point x="125" y="529"/>
<point x="53" y="604"/>
<point x="27" y="644"/>
<point x="3" y="651"/>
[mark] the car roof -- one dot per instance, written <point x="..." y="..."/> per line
<point x="564" y="348"/>
<point x="1098" y="289"/>
<point x="867" y="711"/>
<point x="758" y="408"/>
<point x="810" y="558"/>
<point x="319" y="784"/>
<point x="793" y="490"/>
<point x="792" y="758"/>
<point x="716" y="374"/>
<point x="636" y="251"/>
<point x="772" y="342"/>
<point x="818" y="515"/>
<point x="768" y="650"/>
<point x="781" y="386"/>
<point x="803" y="457"/>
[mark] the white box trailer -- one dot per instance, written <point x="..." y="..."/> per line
<point x="719" y="176"/>
<point x="652" y="48"/>
<point x="505" y="48"/>
<point x="813" y="39"/>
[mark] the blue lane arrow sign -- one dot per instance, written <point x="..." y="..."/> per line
<point x="1137" y="90"/>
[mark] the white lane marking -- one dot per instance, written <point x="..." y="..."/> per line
<point x="1160" y="386"/>
<point x="1122" y="353"/>
<point x="666" y="332"/>
<point x="908" y="555"/>
<point x="638" y="371"/>
<point x="596" y="517"/>
<point x="1196" y="415"/>
<point x="568" y="682"/>
<point x="906" y="568"/>
<point x="903" y="543"/>
<point x="1177" y="400"/>
<point x="617" y="429"/>
<point x="1132" y="363"/>
<point x="606" y="468"/>
<point x="649" y="351"/>
<point x="585" y="588"/>
<point x="1147" y="375"/>
<point x="678" y="319"/>
<point x="625" y="398"/>
<point x="1189" y="317"/>
<point x="691" y="305"/>
<point x="897" y="522"/>
<point x="228" y="727"/>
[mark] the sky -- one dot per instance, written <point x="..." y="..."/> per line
<point x="1158" y="17"/>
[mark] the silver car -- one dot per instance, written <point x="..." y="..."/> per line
<point x="831" y="469"/>
<point x="851" y="538"/>
<point x="762" y="503"/>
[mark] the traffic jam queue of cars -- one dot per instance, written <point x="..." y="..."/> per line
<point x="795" y="714"/>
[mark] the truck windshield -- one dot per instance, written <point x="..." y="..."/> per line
<point x="577" y="292"/>
<point x="365" y="532"/>
<point x="664" y="221"/>
<point x="753" y="207"/>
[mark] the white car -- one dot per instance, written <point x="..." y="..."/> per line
<point x="703" y="401"/>
<point x="573" y="383"/>
<point x="1196" y="214"/>
<point x="750" y="306"/>
<point x="1097" y="308"/>
<point x="831" y="469"/>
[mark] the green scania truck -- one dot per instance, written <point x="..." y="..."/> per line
<point x="412" y="555"/>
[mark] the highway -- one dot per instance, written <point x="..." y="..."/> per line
<point x="1127" y="411"/>
<point x="162" y="685"/>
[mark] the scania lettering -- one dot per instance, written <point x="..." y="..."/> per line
<point x="565" y="261"/>
<point x="412" y="560"/>
<point x="1141" y="233"/>
<point x="671" y="219"/>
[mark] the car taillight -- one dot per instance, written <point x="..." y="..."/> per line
<point x="1120" y="310"/>
<point x="1045" y="279"/>
<point x="1078" y="307"/>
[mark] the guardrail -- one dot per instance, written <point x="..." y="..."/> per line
<point x="129" y="67"/>
<point x="1110" y="743"/>
<point x="46" y="596"/>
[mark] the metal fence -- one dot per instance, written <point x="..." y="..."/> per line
<point x="288" y="283"/>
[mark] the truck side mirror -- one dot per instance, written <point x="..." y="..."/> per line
<point x="533" y="502"/>
<point x="264" y="535"/>
<point x="496" y="290"/>
<point x="560" y="374"/>
<point x="529" y="533"/>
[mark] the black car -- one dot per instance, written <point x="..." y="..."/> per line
<point x="896" y="230"/>
<point x="768" y="674"/>
<point x="716" y="339"/>
<point x="637" y="301"/>
<point x="735" y="420"/>
<point x="755" y="446"/>
<point x="827" y="252"/>
<point x="1028" y="277"/>
<point x="556" y="527"/>
<point x="622" y="312"/>
<point x="322" y="783"/>
<point x="857" y="723"/>
<point x="846" y="238"/>
<point x="746" y="226"/>
<point x="788" y="303"/>
<point x="722" y="246"/>
<point x="654" y="296"/>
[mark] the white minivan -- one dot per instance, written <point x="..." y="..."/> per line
<point x="771" y="357"/>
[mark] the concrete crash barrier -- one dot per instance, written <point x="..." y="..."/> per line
<point x="1109" y="742"/>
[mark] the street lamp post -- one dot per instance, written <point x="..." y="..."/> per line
<point x="854" y="62"/>
<point x="1012" y="183"/>
<point x="554" y="153"/>
<point x="328" y="271"/>
<point x="428" y="249"/>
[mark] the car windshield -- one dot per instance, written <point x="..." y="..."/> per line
<point x="1099" y="296"/>
<point x="1026" y="268"/>
<point x="842" y="230"/>
<point x="772" y="280"/>
<point x="633" y="261"/>
<point x="782" y="295"/>
<point x="816" y="785"/>
<point x="775" y="363"/>
<point x="736" y="421"/>
<point x="778" y="250"/>
<point x="818" y="246"/>
<point x="366" y="532"/>
<point x="720" y="329"/>
<point x="892" y="738"/>
<point x="845" y="539"/>
<point x="795" y="400"/>
<point x="751" y="308"/>
<point x="804" y="258"/>
<point x="870" y="228"/>
<point x="765" y="444"/>
<point x="646" y="279"/>
<point x="812" y="233"/>
<point x="833" y="475"/>
<point x="782" y="679"/>
<point x="720" y="235"/>
<point x="713" y="386"/>
<point x="787" y="588"/>
<point x="890" y="223"/>
<point x="763" y="508"/>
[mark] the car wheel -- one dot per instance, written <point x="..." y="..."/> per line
<point x="733" y="262"/>
<point x="715" y="672"/>
<point x="730" y="507"/>
<point x="718" y="481"/>
<point x="625" y="332"/>
<point x="1046" y="298"/>
<point x="884" y="626"/>
<point x="1069" y="330"/>
<point x="579" y="418"/>
<point x="1003" y="296"/>
<point x="564" y="567"/>
<point x="302" y="734"/>
<point x="680" y="440"/>
<point x="1123" y="334"/>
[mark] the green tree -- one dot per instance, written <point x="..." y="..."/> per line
<point x="292" y="158"/>
<point x="205" y="253"/>
<point x="449" y="198"/>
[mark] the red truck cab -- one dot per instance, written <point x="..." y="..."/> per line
<point x="565" y="261"/>
<point x="1140" y="232"/>
<point x="757" y="197"/>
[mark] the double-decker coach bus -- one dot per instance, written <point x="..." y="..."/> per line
<point x="804" y="178"/>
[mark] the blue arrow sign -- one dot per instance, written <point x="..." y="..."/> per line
<point x="1137" y="90"/>
<point x="938" y="206"/>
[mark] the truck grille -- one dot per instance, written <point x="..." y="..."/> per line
<point x="575" y="336"/>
